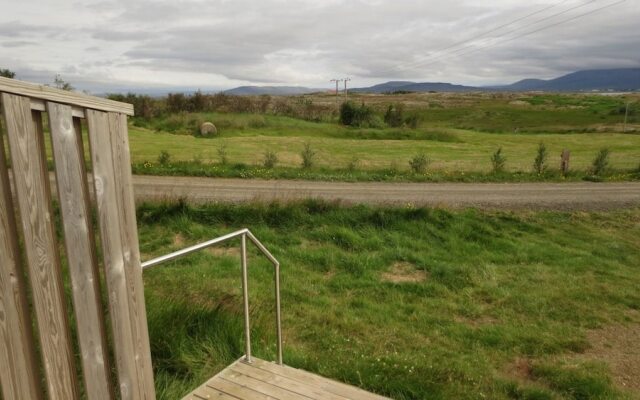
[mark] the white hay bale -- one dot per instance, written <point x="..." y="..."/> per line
<point x="207" y="129"/>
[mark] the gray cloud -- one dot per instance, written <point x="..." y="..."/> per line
<point x="219" y="43"/>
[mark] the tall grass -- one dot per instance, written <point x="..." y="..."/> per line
<point x="497" y="288"/>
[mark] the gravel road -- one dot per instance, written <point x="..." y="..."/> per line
<point x="553" y="196"/>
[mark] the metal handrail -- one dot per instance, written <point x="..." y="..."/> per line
<point x="243" y="234"/>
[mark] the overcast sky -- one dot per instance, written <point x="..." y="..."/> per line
<point x="110" y="45"/>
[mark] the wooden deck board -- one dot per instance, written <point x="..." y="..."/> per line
<point x="265" y="380"/>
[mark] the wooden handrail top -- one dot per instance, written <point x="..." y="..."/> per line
<point x="46" y="93"/>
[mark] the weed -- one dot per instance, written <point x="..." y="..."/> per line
<point x="498" y="161"/>
<point x="270" y="159"/>
<point x="164" y="158"/>
<point x="222" y="154"/>
<point x="353" y="164"/>
<point x="600" y="162"/>
<point x="419" y="163"/>
<point x="308" y="156"/>
<point x="540" y="162"/>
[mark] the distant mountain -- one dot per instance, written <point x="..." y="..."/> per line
<point x="391" y="86"/>
<point x="396" y="86"/>
<point x="271" y="90"/>
<point x="620" y="79"/>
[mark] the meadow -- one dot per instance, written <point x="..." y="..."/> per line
<point x="411" y="303"/>
<point x="457" y="133"/>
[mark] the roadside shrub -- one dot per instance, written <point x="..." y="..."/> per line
<point x="270" y="159"/>
<point x="540" y="162"/>
<point x="308" y="155"/>
<point x="164" y="158"/>
<point x="222" y="154"/>
<point x="600" y="162"/>
<point x="498" y="160"/>
<point x="419" y="163"/>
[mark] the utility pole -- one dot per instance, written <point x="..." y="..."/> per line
<point x="346" y="93"/>
<point x="626" y="113"/>
<point x="337" y="81"/>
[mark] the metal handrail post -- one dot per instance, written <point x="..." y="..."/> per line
<point x="278" y="318"/>
<point x="243" y="234"/>
<point x="245" y="296"/>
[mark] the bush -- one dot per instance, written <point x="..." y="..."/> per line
<point x="540" y="162"/>
<point x="308" y="155"/>
<point x="164" y="158"/>
<point x="412" y="121"/>
<point x="419" y="163"/>
<point x="358" y="116"/>
<point x="498" y="160"/>
<point x="270" y="159"/>
<point x="222" y="154"/>
<point x="601" y="162"/>
<point x="394" y="116"/>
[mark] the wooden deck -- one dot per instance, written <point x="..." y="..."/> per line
<point x="265" y="380"/>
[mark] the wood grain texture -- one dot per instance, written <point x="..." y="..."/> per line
<point x="41" y="105"/>
<point x="62" y="96"/>
<point x="125" y="321"/>
<point x="66" y="140"/>
<point x="129" y="234"/>
<point x="268" y="381"/>
<point x="19" y="375"/>
<point x="26" y="142"/>
<point x="308" y="378"/>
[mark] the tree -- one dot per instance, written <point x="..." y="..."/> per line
<point x="7" y="73"/>
<point x="61" y="83"/>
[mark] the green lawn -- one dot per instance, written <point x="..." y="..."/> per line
<point x="409" y="303"/>
<point x="470" y="152"/>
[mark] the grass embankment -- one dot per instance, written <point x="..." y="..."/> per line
<point x="410" y="303"/>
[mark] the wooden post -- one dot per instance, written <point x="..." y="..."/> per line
<point x="564" y="161"/>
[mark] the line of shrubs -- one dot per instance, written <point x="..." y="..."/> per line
<point x="301" y="107"/>
<point x="420" y="162"/>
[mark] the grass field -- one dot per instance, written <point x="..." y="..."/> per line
<point x="470" y="152"/>
<point x="410" y="303"/>
<point x="458" y="132"/>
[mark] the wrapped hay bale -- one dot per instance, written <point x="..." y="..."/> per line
<point x="208" y="129"/>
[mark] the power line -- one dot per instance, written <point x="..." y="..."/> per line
<point x="502" y="26"/>
<point x="532" y="32"/>
<point x="431" y="58"/>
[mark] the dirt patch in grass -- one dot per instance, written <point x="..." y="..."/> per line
<point x="476" y="322"/>
<point x="224" y="251"/>
<point x="178" y="240"/>
<point x="617" y="346"/>
<point x="520" y="369"/>
<point x="404" y="272"/>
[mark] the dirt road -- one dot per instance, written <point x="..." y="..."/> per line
<point x="557" y="196"/>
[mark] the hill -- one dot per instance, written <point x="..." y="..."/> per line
<point x="620" y="79"/>
<point x="271" y="90"/>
